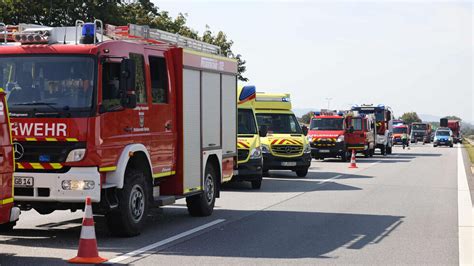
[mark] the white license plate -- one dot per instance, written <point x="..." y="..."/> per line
<point x="24" y="181"/>
<point x="288" y="163"/>
<point x="442" y="142"/>
<point x="324" y="151"/>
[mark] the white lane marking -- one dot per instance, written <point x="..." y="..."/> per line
<point x="163" y="242"/>
<point x="465" y="215"/>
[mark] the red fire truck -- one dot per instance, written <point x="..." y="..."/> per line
<point x="360" y="133"/>
<point x="131" y="116"/>
<point x="8" y="213"/>
<point x="326" y="135"/>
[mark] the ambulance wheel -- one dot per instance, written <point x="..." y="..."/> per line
<point x="302" y="172"/>
<point x="203" y="203"/>
<point x="130" y="216"/>
<point x="7" y="227"/>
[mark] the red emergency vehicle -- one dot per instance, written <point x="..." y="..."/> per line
<point x="326" y="135"/>
<point x="130" y="116"/>
<point x="360" y="133"/>
<point x="8" y="213"/>
<point x="398" y="131"/>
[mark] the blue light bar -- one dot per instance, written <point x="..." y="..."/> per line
<point x="88" y="30"/>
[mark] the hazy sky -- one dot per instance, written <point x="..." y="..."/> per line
<point x="411" y="55"/>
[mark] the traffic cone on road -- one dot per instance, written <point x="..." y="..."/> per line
<point x="87" y="252"/>
<point x="353" y="160"/>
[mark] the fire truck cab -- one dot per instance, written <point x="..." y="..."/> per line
<point x="285" y="147"/>
<point x="326" y="135"/>
<point x="130" y="116"/>
<point x="250" y="158"/>
<point x="8" y="214"/>
<point x="360" y="133"/>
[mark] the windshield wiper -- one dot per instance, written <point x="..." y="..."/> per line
<point x="50" y="105"/>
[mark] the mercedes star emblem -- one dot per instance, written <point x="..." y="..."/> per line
<point x="19" y="150"/>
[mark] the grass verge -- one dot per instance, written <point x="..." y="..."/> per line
<point x="470" y="149"/>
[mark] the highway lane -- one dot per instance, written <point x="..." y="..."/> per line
<point x="396" y="209"/>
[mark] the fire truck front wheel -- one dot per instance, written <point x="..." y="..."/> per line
<point x="203" y="204"/>
<point x="129" y="218"/>
<point x="7" y="227"/>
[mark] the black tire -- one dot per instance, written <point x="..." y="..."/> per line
<point x="302" y="172"/>
<point x="203" y="203"/>
<point x="451" y="145"/>
<point x="7" y="227"/>
<point x="256" y="184"/>
<point x="134" y="199"/>
<point x="345" y="156"/>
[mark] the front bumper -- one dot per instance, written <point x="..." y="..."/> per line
<point x="47" y="187"/>
<point x="357" y="147"/>
<point x="250" y="170"/>
<point x="443" y="142"/>
<point x="284" y="163"/>
<point x="338" y="149"/>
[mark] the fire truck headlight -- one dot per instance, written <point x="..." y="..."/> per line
<point x="76" y="155"/>
<point x="265" y="148"/>
<point x="256" y="153"/>
<point x="78" y="184"/>
<point x="340" y="138"/>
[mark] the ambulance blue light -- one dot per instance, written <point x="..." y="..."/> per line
<point x="317" y="113"/>
<point x="247" y="92"/>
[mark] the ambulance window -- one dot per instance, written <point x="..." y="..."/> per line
<point x="140" y="89"/>
<point x="159" y="79"/>
<point x="110" y="86"/>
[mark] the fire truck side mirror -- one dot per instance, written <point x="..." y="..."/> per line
<point x="305" y="130"/>
<point x="127" y="83"/>
<point x="263" y="131"/>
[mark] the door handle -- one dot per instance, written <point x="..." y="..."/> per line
<point x="128" y="129"/>
<point x="168" y="126"/>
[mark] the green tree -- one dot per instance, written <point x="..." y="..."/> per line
<point x="142" y="12"/>
<point x="410" y="117"/>
<point x="306" y="118"/>
<point x="453" y="117"/>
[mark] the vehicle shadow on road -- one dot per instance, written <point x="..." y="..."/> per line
<point x="14" y="259"/>
<point x="312" y="235"/>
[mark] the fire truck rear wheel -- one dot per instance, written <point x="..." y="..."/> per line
<point x="203" y="204"/>
<point x="7" y="227"/>
<point x="130" y="216"/>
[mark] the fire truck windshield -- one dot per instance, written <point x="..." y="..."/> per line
<point x="48" y="83"/>
<point x="419" y="127"/>
<point x="279" y="123"/>
<point x="246" y="122"/>
<point x="399" y="130"/>
<point x="326" y="124"/>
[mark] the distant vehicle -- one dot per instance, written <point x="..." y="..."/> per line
<point x="383" y="125"/>
<point x="443" y="137"/>
<point x="420" y="132"/>
<point x="398" y="131"/>
<point x="326" y="136"/>
<point x="285" y="147"/>
<point x="360" y="133"/>
<point x="250" y="160"/>
<point x="8" y="214"/>
<point x="455" y="126"/>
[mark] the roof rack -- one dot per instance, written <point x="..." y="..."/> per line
<point x="155" y="36"/>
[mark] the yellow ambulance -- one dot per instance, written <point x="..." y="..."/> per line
<point x="285" y="147"/>
<point x="250" y="160"/>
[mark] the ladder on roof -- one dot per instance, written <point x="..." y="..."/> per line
<point x="133" y="31"/>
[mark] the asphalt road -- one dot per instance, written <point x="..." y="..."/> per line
<point x="399" y="209"/>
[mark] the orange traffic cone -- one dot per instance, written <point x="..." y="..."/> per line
<point x="87" y="253"/>
<point x="353" y="160"/>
